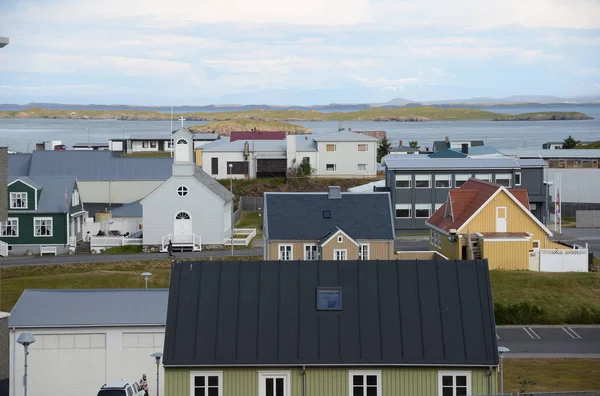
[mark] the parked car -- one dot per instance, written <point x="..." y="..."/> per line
<point x="121" y="388"/>
<point x="60" y="147"/>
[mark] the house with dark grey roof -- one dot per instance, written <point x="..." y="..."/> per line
<point x="45" y="213"/>
<point x="88" y="337"/>
<point x="328" y="226"/>
<point x="360" y="328"/>
<point x="440" y="145"/>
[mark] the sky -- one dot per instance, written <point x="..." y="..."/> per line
<point x="304" y="52"/>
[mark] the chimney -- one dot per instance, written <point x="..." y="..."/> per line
<point x="465" y="148"/>
<point x="447" y="139"/>
<point x="400" y="143"/>
<point x="335" y="192"/>
<point x="246" y="150"/>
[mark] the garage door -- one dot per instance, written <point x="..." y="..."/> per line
<point x="271" y="168"/>
<point x="64" y="364"/>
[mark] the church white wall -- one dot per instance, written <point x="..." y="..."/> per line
<point x="122" y="191"/>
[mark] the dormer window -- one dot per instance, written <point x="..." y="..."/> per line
<point x="18" y="200"/>
<point x="329" y="299"/>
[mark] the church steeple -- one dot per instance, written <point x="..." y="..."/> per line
<point x="183" y="153"/>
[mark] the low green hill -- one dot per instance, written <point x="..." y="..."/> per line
<point x="226" y="127"/>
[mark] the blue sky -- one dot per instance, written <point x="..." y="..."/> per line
<point x="152" y="52"/>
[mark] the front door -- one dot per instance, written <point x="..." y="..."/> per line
<point x="501" y="219"/>
<point x="182" y="229"/>
<point x="274" y="384"/>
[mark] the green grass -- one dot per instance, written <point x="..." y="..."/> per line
<point x="251" y="220"/>
<point x="544" y="116"/>
<point x="552" y="375"/>
<point x="226" y="127"/>
<point x="129" y="249"/>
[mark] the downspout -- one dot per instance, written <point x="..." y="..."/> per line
<point x="13" y="384"/>
<point x="303" y="380"/>
<point x="490" y="380"/>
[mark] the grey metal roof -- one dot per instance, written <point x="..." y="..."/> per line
<point x="98" y="165"/>
<point x="212" y="184"/>
<point x="25" y="180"/>
<point x="305" y="143"/>
<point x="532" y="163"/>
<point x="547" y="153"/>
<point x="344" y="136"/>
<point x="398" y="162"/>
<point x="51" y="194"/>
<point x="99" y="307"/>
<point x="299" y="216"/>
<point x="255" y="145"/>
<point x="246" y="313"/>
<point x="133" y="209"/>
<point x="206" y="136"/>
<point x="217" y="142"/>
<point x="18" y="164"/>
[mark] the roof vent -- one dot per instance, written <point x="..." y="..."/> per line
<point x="327" y="214"/>
<point x="335" y="192"/>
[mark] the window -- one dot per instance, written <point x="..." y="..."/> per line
<point x="536" y="244"/>
<point x="484" y="176"/>
<point x="363" y="147"/>
<point x="532" y="207"/>
<point x="214" y="166"/>
<point x="330" y="147"/>
<point x="153" y="143"/>
<point x="403" y="181"/>
<point x="10" y="228"/>
<point x="518" y="179"/>
<point x="339" y="254"/>
<point x="18" y="200"/>
<point x="504" y="179"/>
<point x="422" y="210"/>
<point x="206" y="383"/>
<point x="170" y="144"/>
<point x="75" y="198"/>
<point x="329" y="298"/>
<point x="182" y="191"/>
<point x="327" y="214"/>
<point x="362" y="167"/>
<point x="145" y="144"/>
<point x="454" y="383"/>
<point x="340" y="239"/>
<point x="363" y="252"/>
<point x="182" y="216"/>
<point x="459" y="180"/>
<point x="403" y="211"/>
<point x="285" y="252"/>
<point x="443" y="181"/>
<point x="274" y="383"/>
<point x="310" y="252"/>
<point x="365" y="383"/>
<point x="423" y="181"/>
<point x="330" y="168"/>
<point x="42" y="226"/>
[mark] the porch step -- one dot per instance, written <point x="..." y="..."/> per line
<point x="182" y="249"/>
<point x="83" y="248"/>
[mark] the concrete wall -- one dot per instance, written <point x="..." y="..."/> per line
<point x="122" y="191"/>
<point x="578" y="185"/>
<point x="346" y="157"/>
<point x="4" y="354"/>
<point x="85" y="359"/>
<point x="3" y="183"/>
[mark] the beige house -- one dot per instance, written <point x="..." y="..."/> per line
<point x="328" y="226"/>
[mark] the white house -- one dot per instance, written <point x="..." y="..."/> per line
<point x="346" y="154"/>
<point x="150" y="143"/>
<point x="190" y="208"/>
<point x="85" y="338"/>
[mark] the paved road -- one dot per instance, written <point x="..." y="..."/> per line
<point x="550" y="341"/>
<point x="581" y="236"/>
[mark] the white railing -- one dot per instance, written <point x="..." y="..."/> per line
<point x="72" y="241"/>
<point x="3" y="249"/>
<point x="178" y="240"/>
<point x="248" y="235"/>
<point x="98" y="243"/>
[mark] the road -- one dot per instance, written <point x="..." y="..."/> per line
<point x="550" y="341"/>
<point x="581" y="236"/>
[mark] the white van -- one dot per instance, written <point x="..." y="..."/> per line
<point x="122" y="388"/>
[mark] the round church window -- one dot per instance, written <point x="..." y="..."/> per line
<point x="182" y="191"/>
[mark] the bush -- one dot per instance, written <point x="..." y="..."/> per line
<point x="129" y="249"/>
<point x="583" y="315"/>
<point x="519" y="314"/>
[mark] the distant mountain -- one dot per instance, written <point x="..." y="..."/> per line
<point x="510" y="100"/>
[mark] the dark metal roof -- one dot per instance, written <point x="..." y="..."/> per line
<point x="18" y="164"/>
<point x="393" y="313"/>
<point x="299" y="216"/>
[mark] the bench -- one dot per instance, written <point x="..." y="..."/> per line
<point x="47" y="249"/>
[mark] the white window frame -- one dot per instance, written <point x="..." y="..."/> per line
<point x="443" y="177"/>
<point x="342" y="252"/>
<point x="340" y="239"/>
<point x="35" y="219"/>
<point x="536" y="244"/>
<point x="145" y="143"/>
<point x="404" y="206"/>
<point x="4" y="226"/>
<point x="484" y="177"/>
<point x="14" y="196"/>
<point x="432" y="238"/>
<point x="420" y="178"/>
<point x="363" y="373"/>
<point x="327" y="145"/>
<point x="182" y="191"/>
<point x="461" y="177"/>
<point x="361" y="252"/>
<point x="263" y="375"/>
<point x="153" y="144"/>
<point x="517" y="178"/>
<point x="454" y="374"/>
<point x="314" y="251"/>
<point x="334" y="168"/>
<point x="286" y="245"/>
<point x="423" y="206"/>
<point x="358" y="168"/>
<point x="194" y="374"/>
<point x="403" y="178"/>
<point x="366" y="147"/>
<point x="504" y="176"/>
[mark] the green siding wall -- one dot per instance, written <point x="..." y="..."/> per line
<point x="396" y="381"/>
<point x="59" y="230"/>
<point x="22" y="187"/>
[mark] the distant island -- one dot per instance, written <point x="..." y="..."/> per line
<point x="382" y="114"/>
<point x="225" y="128"/>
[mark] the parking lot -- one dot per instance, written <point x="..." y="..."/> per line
<point x="549" y="341"/>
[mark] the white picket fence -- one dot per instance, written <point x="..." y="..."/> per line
<point x="245" y="236"/>
<point x="98" y="243"/>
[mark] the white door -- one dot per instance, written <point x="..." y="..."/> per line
<point x="501" y="219"/>
<point x="182" y="229"/>
<point x="182" y="151"/>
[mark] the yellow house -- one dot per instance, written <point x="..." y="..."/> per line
<point x="482" y="220"/>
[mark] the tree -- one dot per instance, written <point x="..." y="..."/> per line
<point x="414" y="144"/>
<point x="383" y="148"/>
<point x="570" y="143"/>
<point x="302" y="170"/>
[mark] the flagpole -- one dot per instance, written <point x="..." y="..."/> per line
<point x="171" y="132"/>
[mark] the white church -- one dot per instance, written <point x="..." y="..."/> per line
<point x="191" y="209"/>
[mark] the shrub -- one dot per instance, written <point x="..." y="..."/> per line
<point x="519" y="313"/>
<point x="129" y="249"/>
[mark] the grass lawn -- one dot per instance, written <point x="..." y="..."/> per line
<point x="552" y="375"/>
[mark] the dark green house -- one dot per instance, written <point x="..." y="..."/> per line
<point x="330" y="328"/>
<point x="45" y="215"/>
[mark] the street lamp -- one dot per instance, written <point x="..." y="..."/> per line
<point x="25" y="339"/>
<point x="501" y="351"/>
<point x="146" y="275"/>
<point x="231" y="189"/>
<point x="157" y="356"/>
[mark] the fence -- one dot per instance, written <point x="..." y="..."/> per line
<point x="237" y="215"/>
<point x="122" y="225"/>
<point x="103" y="242"/>
<point x="247" y="235"/>
<point x="588" y="218"/>
<point x="251" y="204"/>
<point x="563" y="260"/>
